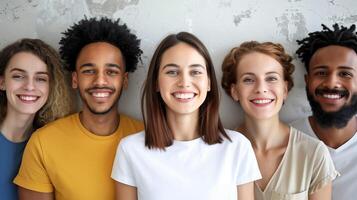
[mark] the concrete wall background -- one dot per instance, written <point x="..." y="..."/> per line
<point x="220" y="24"/>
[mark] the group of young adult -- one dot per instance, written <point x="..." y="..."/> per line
<point x="181" y="150"/>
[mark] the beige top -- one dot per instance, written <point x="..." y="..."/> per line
<point x="305" y="167"/>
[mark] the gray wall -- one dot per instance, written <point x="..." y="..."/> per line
<point x="220" y="24"/>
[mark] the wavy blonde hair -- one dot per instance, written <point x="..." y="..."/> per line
<point x="58" y="102"/>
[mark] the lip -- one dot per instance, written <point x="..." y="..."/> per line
<point x="331" y="97"/>
<point x="28" y="98"/>
<point x="261" y="101"/>
<point x="100" y="93"/>
<point x="184" y="96"/>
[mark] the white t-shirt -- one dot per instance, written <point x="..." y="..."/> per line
<point x="344" y="157"/>
<point x="186" y="170"/>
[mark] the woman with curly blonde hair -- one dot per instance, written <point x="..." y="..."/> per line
<point x="293" y="165"/>
<point x="33" y="92"/>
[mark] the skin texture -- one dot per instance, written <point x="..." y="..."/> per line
<point x="333" y="67"/>
<point x="100" y="77"/>
<point x="261" y="91"/>
<point x="183" y="84"/>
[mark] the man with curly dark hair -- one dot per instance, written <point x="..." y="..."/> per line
<point x="330" y="58"/>
<point x="72" y="158"/>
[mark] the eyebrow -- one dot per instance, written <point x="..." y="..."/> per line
<point x="111" y="65"/>
<point x="21" y="70"/>
<point x="339" y="67"/>
<point x="177" y="66"/>
<point x="252" y="74"/>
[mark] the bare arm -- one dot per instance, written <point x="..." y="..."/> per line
<point x="323" y="193"/>
<point x="25" y="194"/>
<point x="125" y="192"/>
<point x="246" y="191"/>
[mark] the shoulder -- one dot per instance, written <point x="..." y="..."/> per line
<point x="60" y="125"/>
<point x="130" y="124"/>
<point x="237" y="139"/>
<point x="133" y="141"/>
<point x="305" y="143"/>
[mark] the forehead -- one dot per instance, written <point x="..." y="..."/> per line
<point x="333" y="57"/>
<point x="100" y="52"/>
<point x="258" y="63"/>
<point x="182" y="54"/>
<point x="27" y="62"/>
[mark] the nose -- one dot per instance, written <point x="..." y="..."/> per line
<point x="260" y="87"/>
<point x="29" y="84"/>
<point x="332" y="81"/>
<point x="101" y="79"/>
<point x="184" y="80"/>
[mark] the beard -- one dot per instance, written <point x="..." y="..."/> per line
<point x="337" y="119"/>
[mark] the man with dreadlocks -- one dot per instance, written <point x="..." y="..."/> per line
<point x="72" y="158"/>
<point x="331" y="85"/>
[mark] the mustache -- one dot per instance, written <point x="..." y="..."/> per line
<point x="321" y="91"/>
<point x="100" y="88"/>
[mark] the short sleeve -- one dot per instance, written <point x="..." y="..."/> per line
<point x="32" y="174"/>
<point x="122" y="169"/>
<point x="323" y="170"/>
<point x="248" y="170"/>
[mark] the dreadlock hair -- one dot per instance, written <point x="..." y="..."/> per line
<point x="93" y="30"/>
<point x="340" y="35"/>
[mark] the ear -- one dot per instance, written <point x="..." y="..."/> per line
<point x="286" y="90"/>
<point x="234" y="92"/>
<point x="125" y="80"/>
<point x="74" y="80"/>
<point x="306" y="77"/>
<point x="2" y="83"/>
<point x="209" y="85"/>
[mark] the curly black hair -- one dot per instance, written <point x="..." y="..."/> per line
<point x="341" y="36"/>
<point x="94" y="30"/>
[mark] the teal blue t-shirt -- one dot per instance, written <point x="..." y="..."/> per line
<point x="10" y="160"/>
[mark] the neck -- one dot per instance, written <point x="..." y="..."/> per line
<point x="184" y="127"/>
<point x="17" y="127"/>
<point x="102" y="125"/>
<point x="265" y="134"/>
<point x="334" y="137"/>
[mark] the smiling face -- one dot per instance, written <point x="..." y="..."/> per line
<point x="332" y="85"/>
<point x="332" y="77"/>
<point x="183" y="81"/>
<point x="260" y="86"/>
<point x="100" y="76"/>
<point x="26" y="83"/>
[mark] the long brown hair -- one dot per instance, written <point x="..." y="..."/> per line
<point x="157" y="132"/>
<point x="58" y="102"/>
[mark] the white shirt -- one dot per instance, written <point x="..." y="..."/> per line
<point x="344" y="157"/>
<point x="186" y="170"/>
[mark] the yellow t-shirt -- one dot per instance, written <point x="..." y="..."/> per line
<point x="65" y="158"/>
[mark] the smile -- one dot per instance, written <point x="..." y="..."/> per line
<point x="184" y="96"/>
<point x="100" y="94"/>
<point x="28" y="98"/>
<point x="262" y="101"/>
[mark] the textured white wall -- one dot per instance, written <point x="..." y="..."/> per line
<point x="220" y="24"/>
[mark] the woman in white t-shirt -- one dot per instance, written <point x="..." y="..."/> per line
<point x="184" y="152"/>
<point x="293" y="165"/>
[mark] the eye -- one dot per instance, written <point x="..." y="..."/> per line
<point x="346" y="74"/>
<point x="112" y="72"/>
<point x="248" y="80"/>
<point x="196" y="72"/>
<point x="88" y="71"/>
<point x="172" y="72"/>
<point x="320" y="73"/>
<point x="42" y="79"/>
<point x="18" y="76"/>
<point x="271" y="79"/>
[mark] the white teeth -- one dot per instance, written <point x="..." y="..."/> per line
<point x="28" y="98"/>
<point x="184" y="95"/>
<point x="101" y="95"/>
<point x="331" y="96"/>
<point x="262" y="101"/>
